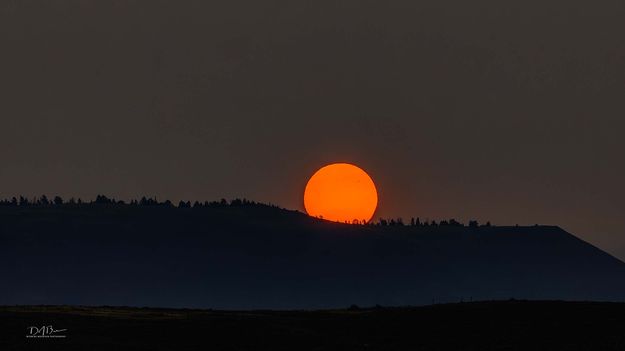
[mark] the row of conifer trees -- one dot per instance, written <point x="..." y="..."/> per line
<point x="43" y="201"/>
<point x="103" y="200"/>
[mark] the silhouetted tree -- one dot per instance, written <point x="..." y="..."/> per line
<point x="455" y="223"/>
<point x="247" y="202"/>
<point x="473" y="224"/>
<point x="58" y="200"/>
<point x="103" y="200"/>
<point x="43" y="200"/>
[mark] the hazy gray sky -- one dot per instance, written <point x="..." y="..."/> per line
<point x="508" y="111"/>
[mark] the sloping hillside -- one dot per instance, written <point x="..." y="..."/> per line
<point x="243" y="257"/>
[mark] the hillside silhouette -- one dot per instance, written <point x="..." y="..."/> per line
<point x="245" y="255"/>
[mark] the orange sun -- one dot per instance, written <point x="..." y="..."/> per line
<point x="341" y="192"/>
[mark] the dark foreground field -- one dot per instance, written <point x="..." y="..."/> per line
<point x="511" y="325"/>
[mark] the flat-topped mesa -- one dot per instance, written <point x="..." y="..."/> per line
<point x="254" y="256"/>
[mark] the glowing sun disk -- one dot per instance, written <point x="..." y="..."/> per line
<point x="341" y="192"/>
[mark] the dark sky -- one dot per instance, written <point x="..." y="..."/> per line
<point x="508" y="111"/>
